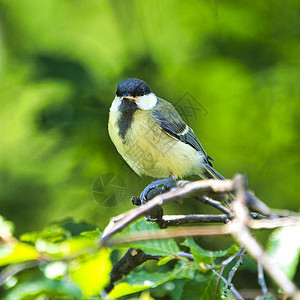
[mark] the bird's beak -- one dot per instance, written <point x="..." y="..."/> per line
<point x="128" y="98"/>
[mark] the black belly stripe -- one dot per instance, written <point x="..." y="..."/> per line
<point x="127" y="109"/>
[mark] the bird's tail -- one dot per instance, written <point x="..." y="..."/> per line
<point x="252" y="203"/>
<point x="211" y="173"/>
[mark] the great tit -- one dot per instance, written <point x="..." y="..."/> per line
<point x="152" y="137"/>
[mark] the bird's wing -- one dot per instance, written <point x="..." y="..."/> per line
<point x="172" y="124"/>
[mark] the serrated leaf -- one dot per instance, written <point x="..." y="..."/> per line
<point x="141" y="280"/>
<point x="283" y="241"/>
<point x="206" y="256"/>
<point x="16" y="253"/>
<point x="163" y="247"/>
<point x="92" y="275"/>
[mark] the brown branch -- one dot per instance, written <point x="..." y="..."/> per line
<point x="132" y="259"/>
<point x="196" y="231"/>
<point x="170" y="233"/>
<point x="199" y="188"/>
<point x="274" y="223"/>
<point x="240" y="231"/>
<point x="176" y="220"/>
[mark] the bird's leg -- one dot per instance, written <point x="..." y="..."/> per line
<point x="166" y="182"/>
<point x="153" y="189"/>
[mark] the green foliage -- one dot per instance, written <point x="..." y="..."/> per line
<point x="284" y="248"/>
<point x="141" y="280"/>
<point x="163" y="247"/>
<point x="45" y="288"/>
<point x="65" y="265"/>
<point x="17" y="252"/>
<point x="204" y="256"/>
<point x="203" y="287"/>
<point x="67" y="262"/>
<point x="92" y="273"/>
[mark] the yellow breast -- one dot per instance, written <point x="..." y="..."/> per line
<point x="150" y="151"/>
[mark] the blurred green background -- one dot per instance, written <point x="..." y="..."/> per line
<point x="62" y="59"/>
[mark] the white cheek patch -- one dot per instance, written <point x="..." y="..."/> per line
<point x="115" y="104"/>
<point x="146" y="102"/>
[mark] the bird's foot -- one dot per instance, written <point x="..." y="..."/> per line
<point x="153" y="189"/>
<point x="158" y="186"/>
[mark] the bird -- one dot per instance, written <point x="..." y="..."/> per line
<point x="151" y="136"/>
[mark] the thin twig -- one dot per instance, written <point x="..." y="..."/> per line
<point x="231" y="258"/>
<point x="186" y="255"/>
<point x="216" y="204"/>
<point x="14" y="269"/>
<point x="176" y="220"/>
<point x="231" y="287"/>
<point x="241" y="233"/>
<point x="236" y="266"/>
<point x="261" y="278"/>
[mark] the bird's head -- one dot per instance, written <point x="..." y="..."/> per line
<point x="135" y="92"/>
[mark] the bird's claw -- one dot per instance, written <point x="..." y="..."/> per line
<point x="167" y="183"/>
<point x="153" y="189"/>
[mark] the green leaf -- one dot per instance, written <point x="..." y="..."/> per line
<point x="125" y="288"/>
<point x="94" y="234"/>
<point x="74" y="228"/>
<point x="75" y="245"/>
<point x="206" y="256"/>
<point x="44" y="288"/>
<point x="51" y="234"/>
<point x="141" y="280"/>
<point x="58" y="231"/>
<point x="92" y="275"/>
<point x="171" y="289"/>
<point x="163" y="247"/>
<point x="284" y="248"/>
<point x="66" y="248"/>
<point x="165" y="260"/>
<point x="19" y="252"/>
<point x="203" y="287"/>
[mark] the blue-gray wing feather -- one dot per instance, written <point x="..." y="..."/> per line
<point x="172" y="124"/>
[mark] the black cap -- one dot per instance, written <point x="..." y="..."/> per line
<point x="133" y="87"/>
